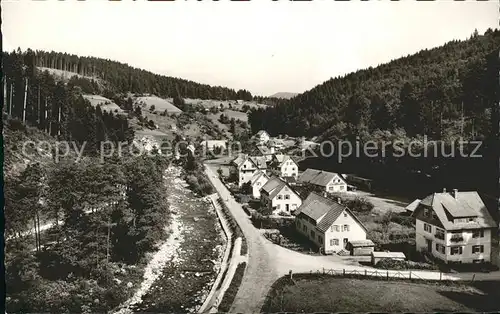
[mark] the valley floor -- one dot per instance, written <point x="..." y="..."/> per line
<point x="184" y="272"/>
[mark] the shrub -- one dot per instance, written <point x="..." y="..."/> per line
<point x="404" y="265"/>
<point x="360" y="205"/>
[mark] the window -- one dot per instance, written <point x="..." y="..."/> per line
<point x="280" y="197"/>
<point x="312" y="234"/>
<point x="293" y="168"/>
<point x="258" y="183"/>
<point x="335" y="228"/>
<point x="346" y="228"/>
<point x="426" y="212"/>
<point x="439" y="234"/>
<point x="478" y="234"/>
<point x="278" y="206"/>
<point x="433" y="215"/>
<point x="341" y="187"/>
<point x="440" y="248"/>
<point x="287" y="197"/>
<point x="345" y="214"/>
<point x="304" y="227"/>
<point x="330" y="188"/>
<point x="320" y="239"/>
<point x="334" y="242"/>
<point x="427" y="227"/>
<point x="298" y="224"/>
<point x="456" y="250"/>
<point x="478" y="249"/>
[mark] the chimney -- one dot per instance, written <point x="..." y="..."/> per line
<point x="325" y="194"/>
<point x="444" y="190"/>
<point x="455" y="193"/>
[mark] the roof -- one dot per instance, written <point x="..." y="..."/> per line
<point x="413" y="205"/>
<point x="264" y="149"/>
<point x="283" y="158"/>
<point x="362" y="243"/>
<point x="388" y="255"/>
<point x="276" y="142"/>
<point x="238" y="161"/>
<point x="257" y="175"/>
<point x="465" y="205"/>
<point x="318" y="177"/>
<point x="324" y="211"/>
<point x="259" y="161"/>
<point x="262" y="132"/>
<point x="210" y="143"/>
<point x="274" y="186"/>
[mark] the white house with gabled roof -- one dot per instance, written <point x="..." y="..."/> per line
<point x="278" y="196"/>
<point x="257" y="182"/>
<point x="329" y="181"/>
<point x="328" y="224"/>
<point x="284" y="165"/>
<point x="454" y="227"/>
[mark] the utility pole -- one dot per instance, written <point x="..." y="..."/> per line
<point x="10" y="100"/>
<point x="45" y="115"/>
<point x="25" y="98"/>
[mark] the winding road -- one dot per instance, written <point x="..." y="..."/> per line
<point x="267" y="261"/>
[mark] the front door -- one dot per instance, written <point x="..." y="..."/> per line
<point x="429" y="245"/>
<point x="345" y="242"/>
<point x="287" y="208"/>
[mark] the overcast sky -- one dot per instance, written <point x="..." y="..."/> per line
<point x="262" y="46"/>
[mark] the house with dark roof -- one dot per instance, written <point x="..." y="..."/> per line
<point x="284" y="165"/>
<point x="262" y="150"/>
<point x="328" y="224"/>
<point x="245" y="167"/>
<point x="329" y="181"/>
<point x="278" y="196"/>
<point x="454" y="227"/>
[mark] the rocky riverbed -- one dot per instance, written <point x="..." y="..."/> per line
<point x="188" y="272"/>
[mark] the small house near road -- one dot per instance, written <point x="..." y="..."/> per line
<point x="361" y="247"/>
<point x="210" y="145"/>
<point x="328" y="224"/>
<point x="329" y="181"/>
<point x="278" y="196"/>
<point x="257" y="182"/>
<point x="378" y="256"/>
<point x="245" y="167"/>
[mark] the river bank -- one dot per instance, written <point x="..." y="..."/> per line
<point x="188" y="273"/>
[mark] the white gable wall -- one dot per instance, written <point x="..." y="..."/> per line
<point x="279" y="202"/>
<point x="356" y="232"/>
<point x="289" y="169"/>
<point x="336" y="185"/>
<point x="257" y="186"/>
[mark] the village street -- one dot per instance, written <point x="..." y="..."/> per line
<point x="267" y="261"/>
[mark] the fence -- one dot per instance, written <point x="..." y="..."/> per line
<point x="387" y="274"/>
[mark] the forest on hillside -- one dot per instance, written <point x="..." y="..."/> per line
<point x="440" y="92"/>
<point x="119" y="77"/>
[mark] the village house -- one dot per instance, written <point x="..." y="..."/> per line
<point x="278" y="196"/>
<point x="276" y="144"/>
<point x="284" y="165"/>
<point x="454" y="227"/>
<point x="328" y="224"/>
<point x="263" y="150"/>
<point x="330" y="182"/>
<point x="245" y="166"/>
<point x="262" y="136"/>
<point x="257" y="182"/>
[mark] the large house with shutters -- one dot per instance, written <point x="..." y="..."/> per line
<point x="330" y="182"/>
<point x="278" y="196"/>
<point x="245" y="167"/>
<point x="454" y="227"/>
<point x="284" y="165"/>
<point x="328" y="224"/>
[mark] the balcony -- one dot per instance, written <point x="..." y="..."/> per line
<point x="457" y="238"/>
<point x="439" y="236"/>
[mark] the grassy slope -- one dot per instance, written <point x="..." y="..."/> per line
<point x="333" y="294"/>
<point x="159" y="103"/>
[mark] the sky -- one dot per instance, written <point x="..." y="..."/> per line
<point x="263" y="46"/>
